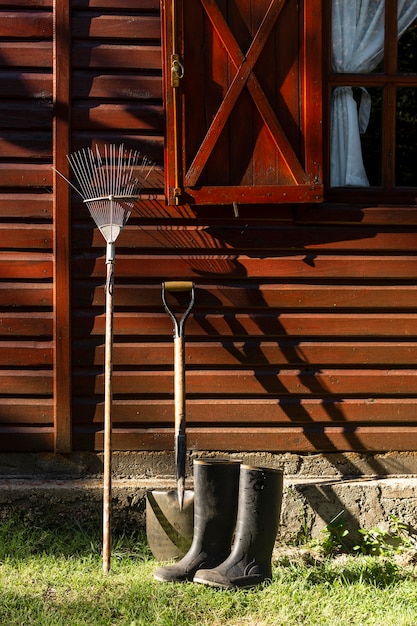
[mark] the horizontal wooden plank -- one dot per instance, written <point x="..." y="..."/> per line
<point x="254" y="296"/>
<point x="259" y="382"/>
<point x="25" y="175"/>
<point x="25" y="24"/>
<point x="137" y="5"/>
<point x="25" y="54"/>
<point x="96" y="25"/>
<point x="349" y="214"/>
<point x="25" y="265"/>
<point x="30" y="236"/>
<point x="112" y="86"/>
<point x="26" y="438"/>
<point x="89" y="55"/>
<point x="26" y="206"/>
<point x="253" y="353"/>
<point x="151" y="145"/>
<point x="25" y="115"/>
<point x="26" y="411"/>
<point x="24" y="294"/>
<point x="216" y="239"/>
<point x="26" y="3"/>
<point x="26" y="353"/>
<point x="26" y="382"/>
<point x="88" y="322"/>
<point x="36" y="86"/>
<point x="21" y="324"/>
<point x="217" y="412"/>
<point x="23" y="144"/>
<point x="150" y="207"/>
<point x="279" y="439"/>
<point x="87" y="116"/>
<point x="302" y="267"/>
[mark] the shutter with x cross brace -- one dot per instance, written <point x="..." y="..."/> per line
<point x="243" y="101"/>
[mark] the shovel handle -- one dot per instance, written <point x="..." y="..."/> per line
<point x="178" y="285"/>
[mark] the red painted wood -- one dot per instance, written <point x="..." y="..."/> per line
<point x="21" y="54"/>
<point x="21" y="175"/>
<point x="86" y="54"/>
<point x="21" y="265"/>
<point x="26" y="353"/>
<point x="26" y="206"/>
<point x="272" y="440"/>
<point x="20" y="324"/>
<point x="25" y="294"/>
<point x="26" y="411"/>
<point x="135" y="5"/>
<point x="62" y="228"/>
<point x="303" y="335"/>
<point x="107" y="85"/>
<point x="19" y="115"/>
<point x="231" y="295"/>
<point x="25" y="24"/>
<point x="35" y="236"/>
<point x="262" y="324"/>
<point x="88" y="116"/>
<point x="257" y="353"/>
<point x="160" y="412"/>
<point x="101" y="26"/>
<point x="259" y="237"/>
<point x="26" y="4"/>
<point x="29" y="383"/>
<point x="18" y="84"/>
<point x="316" y="267"/>
<point x="26" y="439"/>
<point x="248" y="383"/>
<point x="215" y="169"/>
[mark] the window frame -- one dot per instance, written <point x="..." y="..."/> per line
<point x="388" y="80"/>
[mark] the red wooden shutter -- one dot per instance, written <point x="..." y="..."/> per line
<point x="243" y="101"/>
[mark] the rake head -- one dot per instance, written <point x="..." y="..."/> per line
<point x="109" y="184"/>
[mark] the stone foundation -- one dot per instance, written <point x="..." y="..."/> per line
<point x="358" y="490"/>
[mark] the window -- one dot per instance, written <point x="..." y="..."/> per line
<point x="243" y="100"/>
<point x="372" y="100"/>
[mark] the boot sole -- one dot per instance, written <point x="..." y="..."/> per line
<point x="248" y="585"/>
<point x="212" y="583"/>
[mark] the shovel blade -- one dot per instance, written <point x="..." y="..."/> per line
<point x="169" y="529"/>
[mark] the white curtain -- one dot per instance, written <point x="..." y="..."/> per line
<point x="357" y="46"/>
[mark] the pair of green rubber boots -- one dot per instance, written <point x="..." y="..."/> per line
<point x="236" y="516"/>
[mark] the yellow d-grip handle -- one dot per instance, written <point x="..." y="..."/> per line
<point x="178" y="285"/>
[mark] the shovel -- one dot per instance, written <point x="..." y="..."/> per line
<point x="179" y="379"/>
<point x="170" y="514"/>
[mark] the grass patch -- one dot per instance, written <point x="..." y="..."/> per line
<point x="51" y="576"/>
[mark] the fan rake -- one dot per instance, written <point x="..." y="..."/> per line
<point x="109" y="183"/>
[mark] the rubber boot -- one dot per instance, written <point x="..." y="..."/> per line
<point x="249" y="563"/>
<point x="216" y="484"/>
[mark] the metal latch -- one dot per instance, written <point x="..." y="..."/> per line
<point x="177" y="70"/>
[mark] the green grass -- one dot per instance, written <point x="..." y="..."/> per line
<point x="51" y="576"/>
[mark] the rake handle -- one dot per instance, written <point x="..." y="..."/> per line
<point x="108" y="398"/>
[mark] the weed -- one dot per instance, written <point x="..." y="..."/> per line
<point x="333" y="537"/>
<point x="378" y="541"/>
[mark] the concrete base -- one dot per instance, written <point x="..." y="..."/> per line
<point x="358" y="490"/>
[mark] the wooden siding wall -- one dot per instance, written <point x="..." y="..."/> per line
<point x="304" y="333"/>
